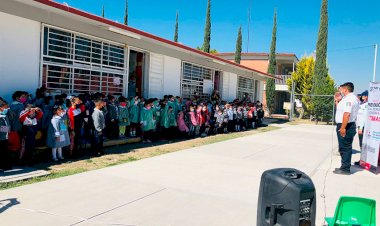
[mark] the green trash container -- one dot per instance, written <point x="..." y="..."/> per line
<point x="354" y="211"/>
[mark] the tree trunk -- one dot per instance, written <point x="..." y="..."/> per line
<point x="302" y="112"/>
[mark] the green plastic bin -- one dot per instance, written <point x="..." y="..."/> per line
<point x="354" y="211"/>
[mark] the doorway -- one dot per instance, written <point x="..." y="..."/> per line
<point x="218" y="77"/>
<point x="136" y="73"/>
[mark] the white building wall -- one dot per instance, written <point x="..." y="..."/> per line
<point x="281" y="88"/>
<point x="19" y="55"/>
<point x="229" y="91"/>
<point x="172" y="76"/>
<point x="232" y="90"/>
<point x="156" y="76"/>
<point x="226" y="86"/>
<point x="261" y="91"/>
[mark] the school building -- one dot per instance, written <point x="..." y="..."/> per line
<point x="285" y="64"/>
<point x="43" y="42"/>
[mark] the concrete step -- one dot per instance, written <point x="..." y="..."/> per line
<point x="20" y="174"/>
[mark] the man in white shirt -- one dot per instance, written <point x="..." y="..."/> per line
<point x="345" y="117"/>
<point x="362" y="116"/>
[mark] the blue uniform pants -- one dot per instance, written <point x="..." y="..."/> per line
<point x="345" y="145"/>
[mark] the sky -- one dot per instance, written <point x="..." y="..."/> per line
<point x="352" y="24"/>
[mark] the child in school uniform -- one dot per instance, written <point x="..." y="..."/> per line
<point x="99" y="126"/>
<point x="225" y="120"/>
<point x="206" y="121"/>
<point x="134" y="116"/>
<point x="200" y="120"/>
<point x="112" y="119"/>
<point x="193" y="121"/>
<point x="179" y="105"/>
<point x="57" y="134"/>
<point x="123" y="114"/>
<point x="239" y="119"/>
<point x="252" y="116"/>
<point x="172" y="123"/>
<point x="219" y="119"/>
<point x="172" y="102"/>
<point x="29" y="119"/>
<point x="75" y="117"/>
<point x="157" y="111"/>
<point x="182" y="127"/>
<point x="255" y="115"/>
<point x="230" y="115"/>
<point x="245" y="118"/>
<point x="164" y="120"/>
<point x="147" y="122"/>
<point x="235" y="119"/>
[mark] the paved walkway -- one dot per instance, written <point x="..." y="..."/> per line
<point x="210" y="185"/>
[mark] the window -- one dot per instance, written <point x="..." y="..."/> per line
<point x="59" y="78"/>
<point x="196" y="80"/>
<point x="76" y="63"/>
<point x="245" y="85"/>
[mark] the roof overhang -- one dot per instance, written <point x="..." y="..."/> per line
<point x="281" y="57"/>
<point x="61" y="15"/>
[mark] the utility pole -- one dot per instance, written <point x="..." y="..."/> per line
<point x="374" y="65"/>
<point x="292" y="98"/>
<point x="249" y="22"/>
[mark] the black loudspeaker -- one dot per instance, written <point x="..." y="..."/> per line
<point x="286" y="198"/>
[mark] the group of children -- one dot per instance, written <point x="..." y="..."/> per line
<point x="72" y="122"/>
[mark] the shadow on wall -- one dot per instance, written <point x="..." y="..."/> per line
<point x="7" y="203"/>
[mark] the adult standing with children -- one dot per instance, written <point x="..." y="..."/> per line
<point x="362" y="116"/>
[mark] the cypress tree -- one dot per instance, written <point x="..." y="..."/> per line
<point x="239" y="43"/>
<point x="103" y="11"/>
<point x="321" y="79"/>
<point x="207" y="36"/>
<point x="126" y="13"/>
<point x="321" y="71"/>
<point x="176" y="28"/>
<point x="270" y="85"/>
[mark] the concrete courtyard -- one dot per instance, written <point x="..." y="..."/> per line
<point x="213" y="185"/>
